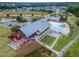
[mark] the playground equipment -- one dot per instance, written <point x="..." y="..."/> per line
<point x="17" y="43"/>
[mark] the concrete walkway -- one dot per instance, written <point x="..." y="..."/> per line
<point x="55" y="41"/>
<point x="47" y="46"/>
<point x="4" y="25"/>
<point x="67" y="46"/>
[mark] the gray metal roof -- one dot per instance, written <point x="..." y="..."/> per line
<point x="55" y="18"/>
<point x="40" y="26"/>
<point x="8" y="22"/>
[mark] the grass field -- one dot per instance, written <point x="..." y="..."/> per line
<point x="73" y="50"/>
<point x="24" y="12"/>
<point x="4" y="41"/>
<point x="48" y="40"/>
<point x="4" y="30"/>
<point x="63" y="40"/>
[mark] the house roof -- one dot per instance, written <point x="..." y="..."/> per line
<point x="55" y="18"/>
<point x="40" y="26"/>
<point x="7" y="22"/>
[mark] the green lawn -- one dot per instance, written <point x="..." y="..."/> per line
<point x="63" y="40"/>
<point x="4" y="41"/>
<point x="3" y="30"/>
<point x="61" y="43"/>
<point x="48" y="40"/>
<point x="73" y="51"/>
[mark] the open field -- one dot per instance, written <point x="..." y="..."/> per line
<point x="23" y="12"/>
<point x="48" y="40"/>
<point x="4" y="41"/>
<point x="63" y="40"/>
<point x="28" y="48"/>
<point x="73" y="50"/>
<point x="4" y="30"/>
<point x="41" y="52"/>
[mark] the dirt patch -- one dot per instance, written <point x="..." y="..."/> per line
<point x="23" y="12"/>
<point x="28" y="48"/>
<point x="3" y="44"/>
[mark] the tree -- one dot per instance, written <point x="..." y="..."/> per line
<point x="74" y="10"/>
<point x="7" y="15"/>
<point x="19" y="18"/>
<point x="32" y="14"/>
<point x="50" y="11"/>
<point x="15" y="28"/>
<point x="63" y="18"/>
<point x="77" y="22"/>
<point x="34" y="19"/>
<point x="20" y="15"/>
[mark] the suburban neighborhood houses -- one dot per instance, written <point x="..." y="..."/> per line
<point x="38" y="29"/>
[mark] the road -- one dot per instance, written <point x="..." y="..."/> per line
<point x="4" y="25"/>
<point x="67" y="46"/>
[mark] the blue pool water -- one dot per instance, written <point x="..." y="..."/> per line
<point x="57" y="27"/>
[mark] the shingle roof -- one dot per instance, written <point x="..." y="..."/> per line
<point x="40" y="26"/>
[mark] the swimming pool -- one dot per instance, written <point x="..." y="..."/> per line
<point x="57" y="27"/>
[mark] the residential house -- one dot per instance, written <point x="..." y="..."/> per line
<point x="55" y="18"/>
<point x="8" y="23"/>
